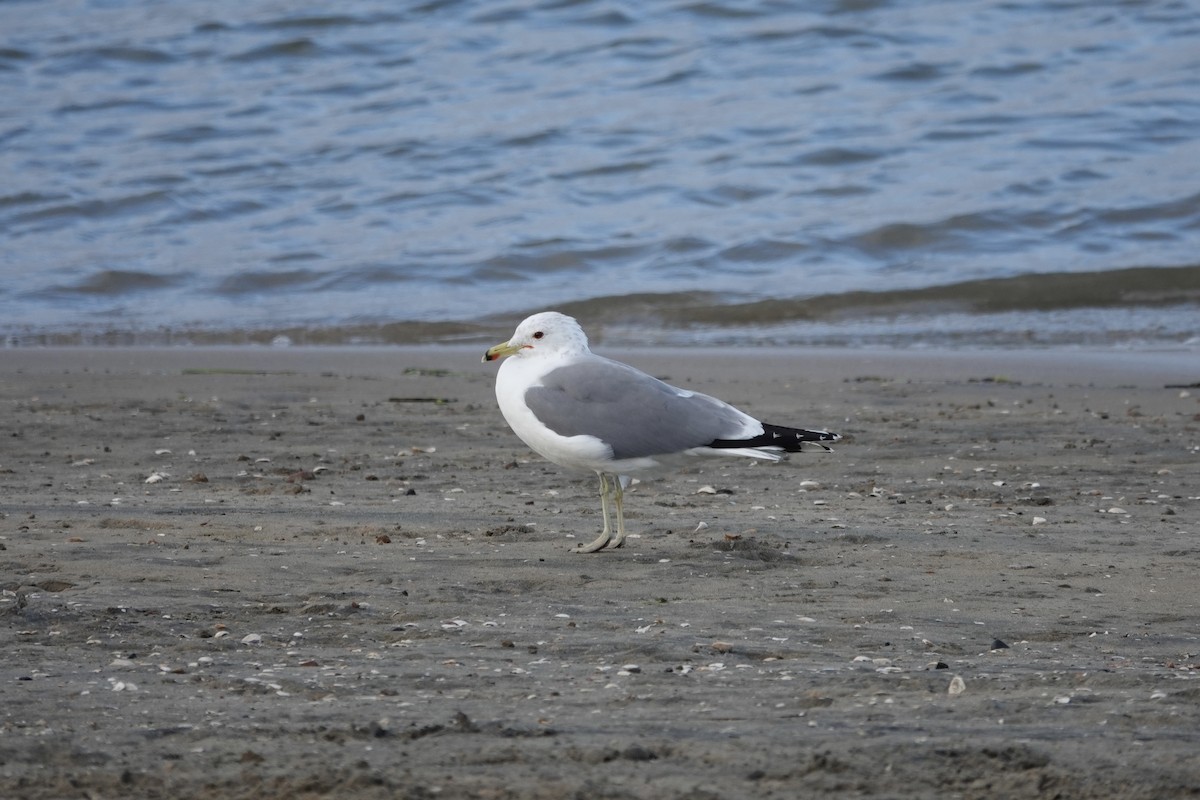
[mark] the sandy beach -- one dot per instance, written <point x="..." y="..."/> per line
<point x="294" y="573"/>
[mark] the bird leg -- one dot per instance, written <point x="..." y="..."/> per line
<point x="618" y="495"/>
<point x="602" y="541"/>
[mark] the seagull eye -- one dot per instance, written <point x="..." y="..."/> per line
<point x="539" y="335"/>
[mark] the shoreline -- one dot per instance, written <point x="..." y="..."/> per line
<point x="1079" y="363"/>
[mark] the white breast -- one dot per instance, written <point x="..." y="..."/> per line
<point x="517" y="375"/>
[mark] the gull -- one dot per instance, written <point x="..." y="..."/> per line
<point x="584" y="411"/>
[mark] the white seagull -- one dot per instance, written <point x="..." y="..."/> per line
<point x="583" y="411"/>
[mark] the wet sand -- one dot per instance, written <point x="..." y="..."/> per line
<point x="305" y="573"/>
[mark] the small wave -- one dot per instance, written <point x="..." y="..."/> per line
<point x="133" y="55"/>
<point x="729" y="194"/>
<point x="613" y="18"/>
<point x="533" y="139"/>
<point x="1016" y="69"/>
<point x="762" y="251"/>
<point x="671" y="78"/>
<point x="111" y="104"/>
<point x="435" y="5"/>
<point x="89" y="59"/>
<point x="527" y="266"/>
<point x="114" y="283"/>
<point x="838" y="157"/>
<point x="29" y="199"/>
<point x="1147" y="287"/>
<point x="319" y="21"/>
<point x="644" y="48"/>
<point x="1186" y="208"/>
<point x="957" y="232"/>
<point x="13" y="54"/>
<point x="250" y="283"/>
<point x="918" y="72"/>
<point x="195" y="134"/>
<point x="368" y="276"/>
<point x="64" y="213"/>
<point x="812" y="32"/>
<point x="290" y="48"/>
<point x="607" y="170"/>
<point x="225" y="210"/>
<point x="723" y="10"/>
<point x="466" y="196"/>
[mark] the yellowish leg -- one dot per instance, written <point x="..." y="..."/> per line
<point x="619" y="502"/>
<point x="602" y="540"/>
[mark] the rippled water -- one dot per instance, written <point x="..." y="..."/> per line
<point x="801" y="171"/>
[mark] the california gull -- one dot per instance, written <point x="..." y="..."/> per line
<point x="583" y="411"/>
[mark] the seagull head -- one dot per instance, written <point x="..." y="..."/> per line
<point x="547" y="333"/>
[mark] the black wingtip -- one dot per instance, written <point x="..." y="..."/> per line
<point x="790" y="440"/>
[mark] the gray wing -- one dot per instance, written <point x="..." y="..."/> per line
<point x="633" y="413"/>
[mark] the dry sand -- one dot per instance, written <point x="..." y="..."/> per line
<point x="350" y="579"/>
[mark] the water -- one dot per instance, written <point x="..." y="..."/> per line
<point x="975" y="171"/>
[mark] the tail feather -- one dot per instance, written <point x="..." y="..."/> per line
<point x="777" y="437"/>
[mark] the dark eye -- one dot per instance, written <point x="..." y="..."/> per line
<point x="539" y="335"/>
